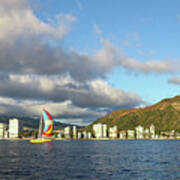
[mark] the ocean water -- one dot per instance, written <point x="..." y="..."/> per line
<point x="90" y="160"/>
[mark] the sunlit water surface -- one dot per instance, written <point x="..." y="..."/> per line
<point x="90" y="160"/>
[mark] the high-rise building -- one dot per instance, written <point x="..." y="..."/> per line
<point x="122" y="134"/>
<point x="130" y="134"/>
<point x="104" y="130"/>
<point x="84" y="134"/>
<point x="113" y="132"/>
<point x="146" y="133"/>
<point x="172" y="134"/>
<point x="3" y="128"/>
<point x="67" y="131"/>
<point x="89" y="135"/>
<point x="100" y="130"/>
<point x="79" y="135"/>
<point x="74" y="132"/>
<point x="60" y="134"/>
<point x="139" y="132"/>
<point x="14" y="128"/>
<point x="6" y="134"/>
<point x="152" y="131"/>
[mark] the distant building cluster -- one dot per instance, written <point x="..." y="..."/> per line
<point x="114" y="133"/>
<point x="69" y="133"/>
<point x="10" y="131"/>
<point x="101" y="131"/>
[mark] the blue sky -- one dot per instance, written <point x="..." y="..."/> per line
<point x="146" y="30"/>
<point x="82" y="59"/>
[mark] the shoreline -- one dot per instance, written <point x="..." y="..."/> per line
<point x="91" y="139"/>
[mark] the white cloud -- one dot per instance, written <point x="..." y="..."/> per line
<point x="114" y="96"/>
<point x="18" y="19"/>
<point x="174" y="80"/>
<point x="66" y="98"/>
<point x="106" y="58"/>
<point x="95" y="93"/>
<point x="111" y="56"/>
<point x="9" y="101"/>
<point x="64" y="110"/>
<point x="57" y="109"/>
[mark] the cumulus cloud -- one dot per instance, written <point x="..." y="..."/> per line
<point x="111" y="56"/>
<point x="62" y="96"/>
<point x="18" y="19"/>
<point x="64" y="110"/>
<point x="174" y="80"/>
<point x="92" y="94"/>
<point x="34" y="56"/>
<point x="153" y="66"/>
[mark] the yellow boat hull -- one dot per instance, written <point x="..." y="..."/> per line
<point x="40" y="140"/>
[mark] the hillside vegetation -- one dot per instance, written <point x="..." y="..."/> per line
<point x="165" y="115"/>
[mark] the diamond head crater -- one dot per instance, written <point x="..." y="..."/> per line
<point x="165" y="116"/>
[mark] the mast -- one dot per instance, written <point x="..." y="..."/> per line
<point x="40" y="127"/>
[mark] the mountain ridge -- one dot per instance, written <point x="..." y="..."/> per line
<point x="165" y="115"/>
<point x="33" y="123"/>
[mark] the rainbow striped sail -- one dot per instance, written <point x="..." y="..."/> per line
<point x="48" y="123"/>
<point x="45" y="128"/>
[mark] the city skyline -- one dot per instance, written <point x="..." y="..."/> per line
<point x="83" y="59"/>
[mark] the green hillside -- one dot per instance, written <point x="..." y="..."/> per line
<point x="165" y="115"/>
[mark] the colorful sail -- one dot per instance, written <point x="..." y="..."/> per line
<point x="48" y="123"/>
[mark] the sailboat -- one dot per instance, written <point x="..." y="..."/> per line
<point x="45" y="128"/>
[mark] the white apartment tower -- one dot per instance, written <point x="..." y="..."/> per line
<point x="139" y="132"/>
<point x="100" y="130"/>
<point x="104" y="130"/>
<point x="113" y="132"/>
<point x="130" y="134"/>
<point x="79" y="135"/>
<point x="74" y="132"/>
<point x="84" y="134"/>
<point x="14" y="128"/>
<point x="152" y="131"/>
<point x="89" y="135"/>
<point x="67" y="131"/>
<point x="3" y="131"/>
<point x="122" y="134"/>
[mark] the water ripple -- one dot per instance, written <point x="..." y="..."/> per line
<point x="90" y="160"/>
